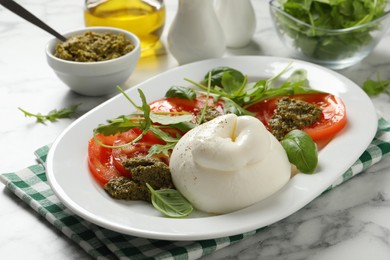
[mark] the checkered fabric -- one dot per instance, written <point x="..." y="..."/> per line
<point x="31" y="186"/>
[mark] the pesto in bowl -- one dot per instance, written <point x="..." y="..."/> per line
<point x="93" y="46"/>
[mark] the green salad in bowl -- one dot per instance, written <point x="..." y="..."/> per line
<point x="333" y="33"/>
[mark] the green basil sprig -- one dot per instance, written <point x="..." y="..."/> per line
<point x="301" y="151"/>
<point x="170" y="202"/>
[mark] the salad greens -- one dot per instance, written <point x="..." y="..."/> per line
<point x="53" y="115"/>
<point x="315" y="40"/>
<point x="230" y="84"/>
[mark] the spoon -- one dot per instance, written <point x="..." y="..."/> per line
<point x="19" y="10"/>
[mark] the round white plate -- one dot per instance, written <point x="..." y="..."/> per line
<point x="71" y="181"/>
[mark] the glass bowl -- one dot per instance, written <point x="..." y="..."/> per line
<point x="332" y="48"/>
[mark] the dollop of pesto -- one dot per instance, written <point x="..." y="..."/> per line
<point x="143" y="170"/>
<point x="123" y="188"/>
<point x="92" y="47"/>
<point x="209" y="114"/>
<point x="293" y="114"/>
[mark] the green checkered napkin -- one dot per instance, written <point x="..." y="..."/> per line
<point x="31" y="186"/>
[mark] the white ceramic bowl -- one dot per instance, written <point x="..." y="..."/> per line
<point x="95" y="78"/>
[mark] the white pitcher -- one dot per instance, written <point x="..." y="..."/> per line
<point x="195" y="33"/>
<point x="238" y="20"/>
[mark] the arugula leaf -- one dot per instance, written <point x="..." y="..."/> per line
<point x="53" y="115"/>
<point x="161" y="148"/>
<point x="375" y="88"/>
<point x="120" y="124"/>
<point x="301" y="150"/>
<point x="170" y="202"/>
<point x="184" y="126"/>
<point x="181" y="92"/>
<point x="146" y="110"/>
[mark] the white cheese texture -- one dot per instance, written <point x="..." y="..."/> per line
<point x="228" y="163"/>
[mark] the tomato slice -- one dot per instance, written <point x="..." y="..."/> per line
<point x="333" y="118"/>
<point x="100" y="159"/>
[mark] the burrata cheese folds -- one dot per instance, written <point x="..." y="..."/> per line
<point x="228" y="163"/>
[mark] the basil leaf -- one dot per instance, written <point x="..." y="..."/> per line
<point x="301" y="151"/>
<point x="217" y="74"/>
<point x="170" y="202"/>
<point x="231" y="84"/>
<point x="181" y="92"/>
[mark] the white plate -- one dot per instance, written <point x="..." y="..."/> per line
<point x="71" y="181"/>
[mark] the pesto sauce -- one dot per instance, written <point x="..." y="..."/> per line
<point x="143" y="170"/>
<point x="293" y="114"/>
<point x="209" y="114"/>
<point x="92" y="47"/>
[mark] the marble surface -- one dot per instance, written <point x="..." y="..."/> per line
<point x="350" y="222"/>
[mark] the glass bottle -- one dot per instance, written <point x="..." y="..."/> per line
<point x="144" y="18"/>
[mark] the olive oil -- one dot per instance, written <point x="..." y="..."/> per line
<point x="144" y="18"/>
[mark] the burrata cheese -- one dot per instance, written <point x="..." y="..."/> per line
<point x="228" y="164"/>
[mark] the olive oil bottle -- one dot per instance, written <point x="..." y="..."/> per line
<point x="144" y="18"/>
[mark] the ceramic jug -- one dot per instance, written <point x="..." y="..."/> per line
<point x="195" y="33"/>
<point x="238" y="20"/>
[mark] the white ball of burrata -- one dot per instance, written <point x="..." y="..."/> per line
<point x="228" y="163"/>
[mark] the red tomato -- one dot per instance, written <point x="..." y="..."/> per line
<point x="332" y="121"/>
<point x="100" y="159"/>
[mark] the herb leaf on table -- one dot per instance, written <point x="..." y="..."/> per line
<point x="53" y="115"/>
<point x="376" y="87"/>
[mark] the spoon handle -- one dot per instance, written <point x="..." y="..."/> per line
<point x="19" y="10"/>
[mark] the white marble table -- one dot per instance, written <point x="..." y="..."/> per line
<point x="350" y="222"/>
